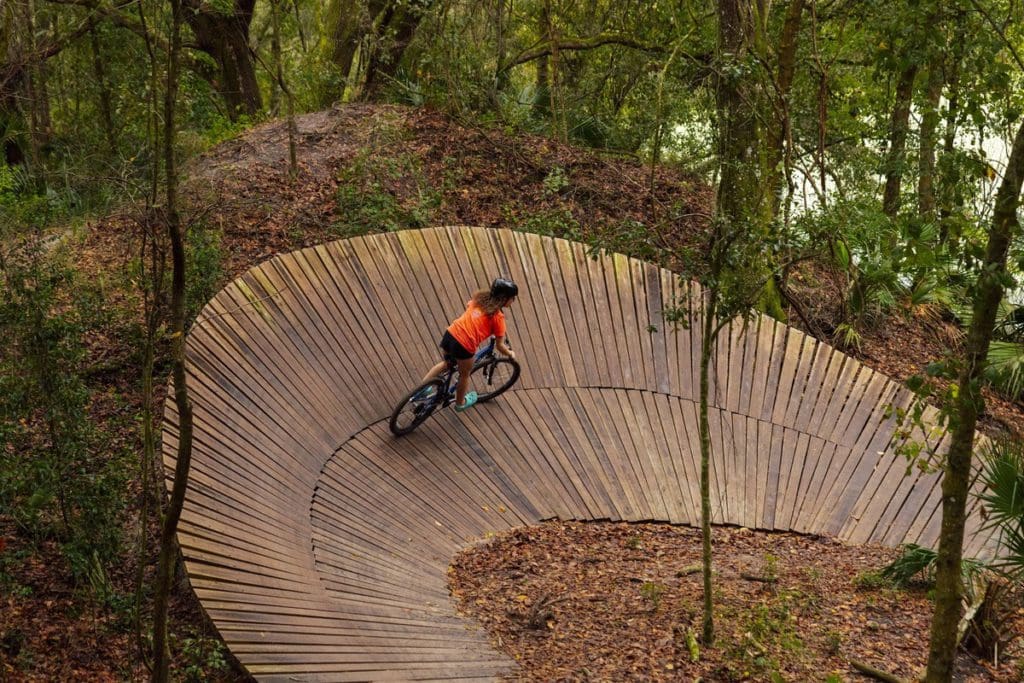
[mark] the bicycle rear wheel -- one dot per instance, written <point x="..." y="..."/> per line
<point x="416" y="407"/>
<point x="493" y="377"/>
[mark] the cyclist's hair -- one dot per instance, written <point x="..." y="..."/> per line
<point x="487" y="303"/>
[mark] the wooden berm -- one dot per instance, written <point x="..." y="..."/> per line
<point x="318" y="543"/>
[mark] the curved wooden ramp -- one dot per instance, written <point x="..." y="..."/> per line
<point x="319" y="544"/>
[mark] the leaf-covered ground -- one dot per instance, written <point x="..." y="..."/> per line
<point x="367" y="168"/>
<point x="614" y="602"/>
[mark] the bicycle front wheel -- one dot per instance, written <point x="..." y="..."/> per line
<point x="493" y="377"/>
<point x="416" y="407"/>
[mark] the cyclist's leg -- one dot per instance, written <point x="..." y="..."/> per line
<point x="436" y="370"/>
<point x="465" y="368"/>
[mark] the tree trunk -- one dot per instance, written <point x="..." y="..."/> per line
<point x="225" y="37"/>
<point x="707" y="346"/>
<point x="743" y="199"/>
<point x="926" y="156"/>
<point x="502" y="77"/>
<point x="898" y="141"/>
<point x="348" y="25"/>
<point x="948" y="170"/>
<point x="293" y="167"/>
<point x="778" y="133"/>
<point x="103" y="91"/>
<point x="967" y="406"/>
<point x="168" y="549"/>
<point x="394" y="33"/>
<point x="542" y="84"/>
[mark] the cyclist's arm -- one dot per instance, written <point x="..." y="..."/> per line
<point x="499" y="344"/>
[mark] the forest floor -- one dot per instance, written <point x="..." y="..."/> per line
<point x="601" y="601"/>
<point x="369" y="168"/>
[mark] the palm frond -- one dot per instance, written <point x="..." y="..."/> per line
<point x="1005" y="367"/>
<point x="1003" y="498"/>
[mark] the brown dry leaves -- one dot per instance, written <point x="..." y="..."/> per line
<point x="620" y="600"/>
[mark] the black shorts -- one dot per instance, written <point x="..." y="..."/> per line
<point x="452" y="349"/>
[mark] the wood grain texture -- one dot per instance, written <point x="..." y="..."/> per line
<point x="318" y="543"/>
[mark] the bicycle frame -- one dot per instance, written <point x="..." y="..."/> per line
<point x="449" y="373"/>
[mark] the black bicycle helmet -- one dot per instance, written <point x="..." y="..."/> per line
<point x="502" y="288"/>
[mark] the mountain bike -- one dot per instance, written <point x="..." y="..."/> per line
<point x="491" y="377"/>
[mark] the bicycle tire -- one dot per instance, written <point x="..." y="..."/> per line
<point x="503" y="370"/>
<point x="419" y="406"/>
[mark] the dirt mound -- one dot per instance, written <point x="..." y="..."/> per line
<point x="368" y="168"/>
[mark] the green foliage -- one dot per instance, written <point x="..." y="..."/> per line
<point x="380" y="193"/>
<point x="553" y="222"/>
<point x="1003" y="499"/>
<point x="52" y="481"/>
<point x="652" y="591"/>
<point x="914" y="561"/>
<point x="555" y="181"/>
<point x="871" y="580"/>
<point x="203" y="267"/>
<point x="770" y="626"/>
<point x="918" y="563"/>
<point x="202" y="658"/>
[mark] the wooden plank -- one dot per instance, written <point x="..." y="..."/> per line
<point x="626" y="341"/>
<point x="819" y="452"/>
<point x="563" y="412"/>
<point x="665" y="448"/>
<point x="778" y="357"/>
<point x="808" y="352"/>
<point x="650" y="455"/>
<point x="788" y="384"/>
<point x="761" y="369"/>
<point x="572" y="310"/>
<point x="645" y="324"/>
<point x="750" y="335"/>
<point x="529" y="328"/>
<point x="553" y="309"/>
<point x="618" y="457"/>
<point x="622" y="495"/>
<point x="562" y="448"/>
<point x="657" y="325"/>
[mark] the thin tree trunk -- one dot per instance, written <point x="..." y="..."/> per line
<point x="542" y="98"/>
<point x="275" y="55"/>
<point x="103" y="90"/>
<point x="898" y="141"/>
<point x="926" y="156"/>
<point x="949" y="176"/>
<point x="293" y="167"/>
<point x="778" y="132"/>
<point x="706" y="347"/>
<point x="168" y="549"/>
<point x="743" y="199"/>
<point x="968" y="405"/>
<point x="501" y="73"/>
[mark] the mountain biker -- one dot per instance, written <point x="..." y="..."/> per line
<point x="481" y="319"/>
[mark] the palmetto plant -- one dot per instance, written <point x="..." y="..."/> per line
<point x="1005" y="364"/>
<point x="1003" y="498"/>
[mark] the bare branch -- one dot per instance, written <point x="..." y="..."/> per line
<point x="544" y="49"/>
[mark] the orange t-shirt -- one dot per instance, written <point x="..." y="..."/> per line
<point x="474" y="326"/>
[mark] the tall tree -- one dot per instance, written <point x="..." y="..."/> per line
<point x="168" y="547"/>
<point x="222" y="32"/>
<point x="968" y="404"/>
<point x="899" y="125"/>
<point x="394" y="27"/>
